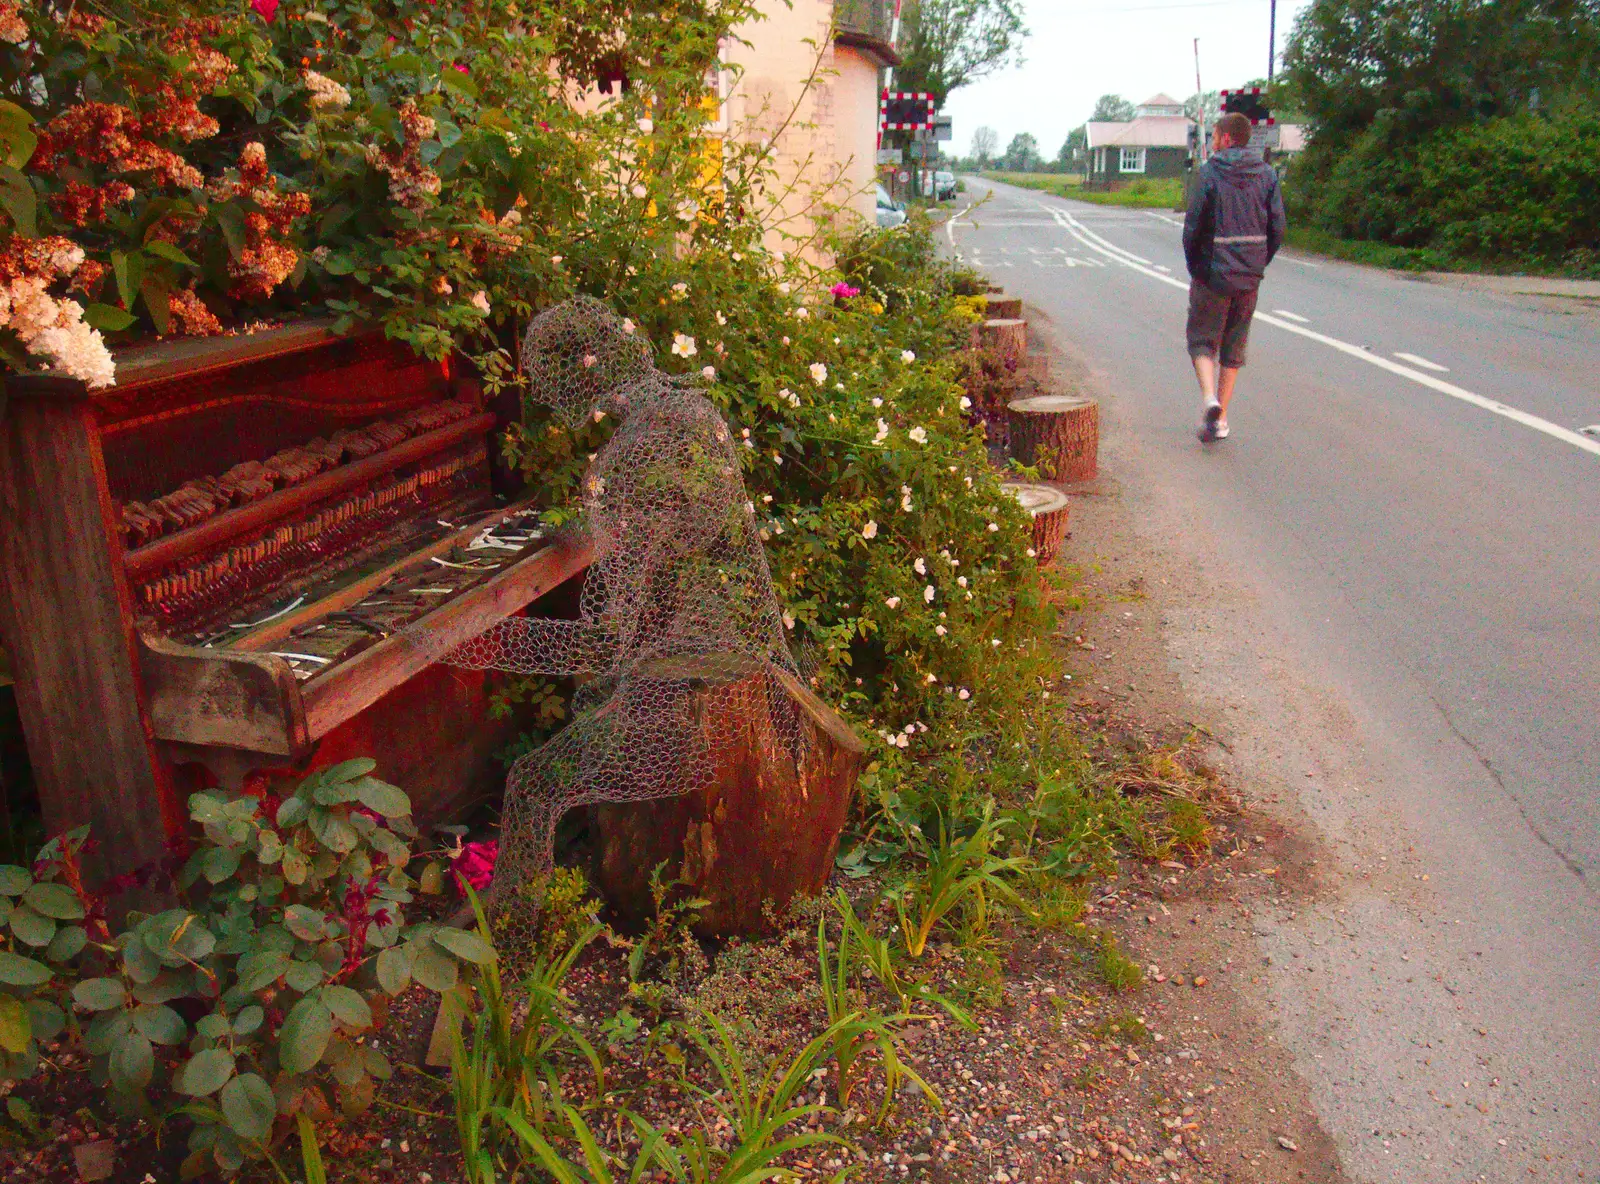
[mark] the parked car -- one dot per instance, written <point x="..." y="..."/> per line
<point x="944" y="186"/>
<point x="890" y="212"/>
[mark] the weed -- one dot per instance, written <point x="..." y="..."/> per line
<point x="1090" y="1078"/>
<point x="1190" y="828"/>
<point x="669" y="939"/>
<point x="1123" y="1028"/>
<point x="1116" y="969"/>
<point x="957" y="871"/>
<point x="855" y="1031"/>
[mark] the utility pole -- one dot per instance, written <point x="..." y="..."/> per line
<point x="1200" y="101"/>
<point x="1272" y="40"/>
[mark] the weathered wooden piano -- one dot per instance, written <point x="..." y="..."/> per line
<point x="223" y="563"/>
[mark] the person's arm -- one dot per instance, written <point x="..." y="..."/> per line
<point x="1196" y="228"/>
<point x="1277" y="220"/>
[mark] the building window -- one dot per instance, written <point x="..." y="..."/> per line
<point x="1132" y="160"/>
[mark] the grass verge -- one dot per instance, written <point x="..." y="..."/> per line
<point x="1152" y="193"/>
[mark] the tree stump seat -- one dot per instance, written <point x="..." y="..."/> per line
<point x="764" y="829"/>
<point x="1050" y="511"/>
<point x="1057" y="434"/>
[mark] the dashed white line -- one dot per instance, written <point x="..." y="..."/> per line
<point x="1292" y="316"/>
<point x="1297" y="260"/>
<point x="1566" y="435"/>
<point x="1162" y="218"/>
<point x="1423" y="362"/>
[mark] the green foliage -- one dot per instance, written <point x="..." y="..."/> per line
<point x="946" y="44"/>
<point x="1116" y="969"/>
<point x="247" y="1004"/>
<point x="1464" y="131"/>
<point x="1154" y="193"/>
<point x="667" y="948"/>
<point x="44" y="928"/>
<point x="1517" y="190"/>
<point x="954" y="871"/>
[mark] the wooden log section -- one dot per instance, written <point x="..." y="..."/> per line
<point x="766" y="829"/>
<point x="1007" y="337"/>
<point x="1058" y="434"/>
<point x="1050" y="512"/>
<point x="1005" y="308"/>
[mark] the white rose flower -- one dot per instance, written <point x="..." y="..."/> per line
<point x="628" y="326"/>
<point x="928" y="594"/>
<point x="640" y="192"/>
<point x="962" y="580"/>
<point x="1032" y="554"/>
<point x="919" y="435"/>
<point x="721" y="320"/>
<point x="993" y="527"/>
<point x="869" y="531"/>
<point x="710" y="372"/>
<point x="963" y="693"/>
<point x="788" y="621"/>
<point x="966" y="403"/>
<point x="481" y="302"/>
<point x="819" y="373"/>
<point x="647" y="126"/>
<point x="940" y="630"/>
<point x="920" y="566"/>
<point x="893" y="602"/>
<point x="907" y="356"/>
<point x="683" y="345"/>
<point x="680" y="291"/>
<point x="883" y="433"/>
<point x="876" y="402"/>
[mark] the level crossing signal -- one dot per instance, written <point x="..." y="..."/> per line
<point x="900" y="111"/>
<point x="1249" y="103"/>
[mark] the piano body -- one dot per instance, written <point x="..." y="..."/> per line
<point x="207" y="569"/>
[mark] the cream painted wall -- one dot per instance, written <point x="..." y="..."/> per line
<point x="769" y="101"/>
<point x="856" y="122"/>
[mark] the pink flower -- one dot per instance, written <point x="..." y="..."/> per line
<point x="462" y="68"/>
<point x="475" y="865"/>
<point x="265" y="9"/>
<point x="843" y="291"/>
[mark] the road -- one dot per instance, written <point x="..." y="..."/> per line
<point x="1399" y="548"/>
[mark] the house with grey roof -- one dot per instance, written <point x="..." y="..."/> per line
<point x="1155" y="143"/>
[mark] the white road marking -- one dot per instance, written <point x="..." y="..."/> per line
<point x="1423" y="362"/>
<point x="1297" y="260"/>
<point x="1162" y="267"/>
<point x="1494" y="406"/>
<point x="1163" y="218"/>
<point x="950" y="226"/>
<point x="1295" y="317"/>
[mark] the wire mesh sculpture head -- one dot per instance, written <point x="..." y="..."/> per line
<point x="679" y="630"/>
<point x="578" y="356"/>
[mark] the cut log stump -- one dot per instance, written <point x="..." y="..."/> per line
<point x="1008" y="338"/>
<point x="1005" y="308"/>
<point x="1050" y="512"/>
<point x="764" y="830"/>
<point x="1058" y="434"/>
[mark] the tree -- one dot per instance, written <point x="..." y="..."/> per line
<point x="1206" y="107"/>
<point x="946" y="44"/>
<point x="1435" y="65"/>
<point x="985" y="143"/>
<point x="1076" y="144"/>
<point x="1022" y="154"/>
<point x="1111" y="109"/>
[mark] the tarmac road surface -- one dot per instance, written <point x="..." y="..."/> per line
<point x="1400" y="544"/>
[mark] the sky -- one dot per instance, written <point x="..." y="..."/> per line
<point x="1081" y="49"/>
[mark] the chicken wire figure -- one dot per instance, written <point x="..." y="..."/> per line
<point x="677" y="609"/>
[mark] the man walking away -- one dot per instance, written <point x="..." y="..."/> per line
<point x="1234" y="227"/>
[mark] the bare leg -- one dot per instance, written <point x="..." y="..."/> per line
<point x="1205" y="369"/>
<point x="1230" y="375"/>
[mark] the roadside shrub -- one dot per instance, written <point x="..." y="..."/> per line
<point x="253" y="1000"/>
<point x="1511" y="191"/>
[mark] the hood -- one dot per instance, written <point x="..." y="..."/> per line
<point x="1238" y="166"/>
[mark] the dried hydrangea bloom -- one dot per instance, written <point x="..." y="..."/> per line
<point x="48" y="327"/>
<point x="266" y="260"/>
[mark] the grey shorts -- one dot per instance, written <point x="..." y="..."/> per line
<point x="1219" y="324"/>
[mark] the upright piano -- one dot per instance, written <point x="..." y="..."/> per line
<point x="226" y="562"/>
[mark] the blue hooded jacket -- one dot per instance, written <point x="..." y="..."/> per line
<point x="1235" y="222"/>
